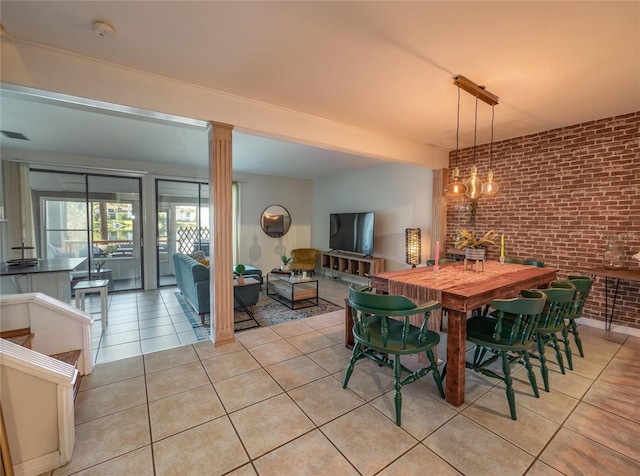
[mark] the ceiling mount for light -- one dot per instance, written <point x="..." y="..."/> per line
<point x="103" y="29"/>
<point x="475" y="90"/>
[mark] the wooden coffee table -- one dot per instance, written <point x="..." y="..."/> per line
<point x="295" y="294"/>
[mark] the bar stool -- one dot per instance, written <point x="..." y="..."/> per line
<point x="88" y="287"/>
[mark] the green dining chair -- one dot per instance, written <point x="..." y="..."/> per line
<point x="551" y="324"/>
<point x="533" y="262"/>
<point x="432" y="262"/>
<point x="381" y="329"/>
<point x="497" y="337"/>
<point x="583" y="286"/>
<point x="484" y="311"/>
<point x="513" y="260"/>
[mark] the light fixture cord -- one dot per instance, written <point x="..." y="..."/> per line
<point x="475" y="133"/>
<point x="491" y="143"/>
<point x="458" y="129"/>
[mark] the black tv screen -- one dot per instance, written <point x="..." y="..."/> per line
<point x="352" y="232"/>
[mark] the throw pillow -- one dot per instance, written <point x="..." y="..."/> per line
<point x="198" y="255"/>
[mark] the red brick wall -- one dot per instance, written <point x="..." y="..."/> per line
<point x="563" y="192"/>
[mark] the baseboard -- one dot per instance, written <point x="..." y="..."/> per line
<point x="587" y="321"/>
<point x="39" y="465"/>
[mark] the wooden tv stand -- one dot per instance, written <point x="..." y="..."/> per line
<point x="356" y="265"/>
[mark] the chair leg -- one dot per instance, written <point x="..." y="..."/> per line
<point x="531" y="375"/>
<point x="543" y="361"/>
<point x="573" y="327"/>
<point x="352" y="361"/>
<point x="397" y="374"/>
<point x="556" y="347"/>
<point x="506" y="369"/>
<point x="567" y="347"/>
<point x="436" y="374"/>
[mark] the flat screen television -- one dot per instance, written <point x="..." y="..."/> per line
<point x="352" y="232"/>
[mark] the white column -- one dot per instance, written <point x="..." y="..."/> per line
<point x="221" y="213"/>
<point x="439" y="212"/>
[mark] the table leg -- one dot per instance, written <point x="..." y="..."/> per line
<point x="608" y="317"/>
<point x="456" y="356"/>
<point x="348" y="326"/>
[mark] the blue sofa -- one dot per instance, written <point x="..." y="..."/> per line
<point x="192" y="278"/>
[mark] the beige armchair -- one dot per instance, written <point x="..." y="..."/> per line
<point x="304" y="259"/>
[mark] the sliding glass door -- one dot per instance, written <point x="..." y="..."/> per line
<point x="182" y="223"/>
<point x="92" y="216"/>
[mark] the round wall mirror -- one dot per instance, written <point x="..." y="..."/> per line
<point x="275" y="221"/>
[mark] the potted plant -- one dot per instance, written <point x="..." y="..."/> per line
<point x="285" y="262"/>
<point x="239" y="270"/>
<point x="475" y="247"/>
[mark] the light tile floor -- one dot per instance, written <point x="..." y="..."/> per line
<point x="148" y="321"/>
<point x="272" y="403"/>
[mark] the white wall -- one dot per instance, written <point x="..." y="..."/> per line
<point x="33" y="66"/>
<point x="257" y="192"/>
<point x="400" y="196"/>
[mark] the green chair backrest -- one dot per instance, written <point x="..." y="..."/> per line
<point x="559" y="301"/>
<point x="432" y="262"/>
<point x="533" y="262"/>
<point x="362" y="299"/>
<point x="583" y="286"/>
<point x="366" y="306"/>
<point x="524" y="313"/>
<point x="513" y="260"/>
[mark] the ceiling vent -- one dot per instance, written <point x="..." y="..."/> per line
<point x="14" y="135"/>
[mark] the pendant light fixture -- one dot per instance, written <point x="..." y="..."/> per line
<point x="456" y="189"/>
<point x="490" y="187"/>
<point x="473" y="183"/>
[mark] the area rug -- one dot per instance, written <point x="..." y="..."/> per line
<point x="267" y="312"/>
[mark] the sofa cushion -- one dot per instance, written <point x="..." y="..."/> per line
<point x="192" y="279"/>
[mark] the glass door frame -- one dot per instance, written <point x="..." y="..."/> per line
<point x="89" y="251"/>
<point x="167" y="239"/>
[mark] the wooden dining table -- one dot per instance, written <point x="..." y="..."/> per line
<point x="459" y="291"/>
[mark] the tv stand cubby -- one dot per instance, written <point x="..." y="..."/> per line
<point x="337" y="261"/>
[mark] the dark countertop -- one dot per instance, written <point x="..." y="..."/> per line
<point x="43" y="266"/>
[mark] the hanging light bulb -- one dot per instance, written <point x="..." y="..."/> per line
<point x="473" y="183"/>
<point x="456" y="189"/>
<point x="490" y="187"/>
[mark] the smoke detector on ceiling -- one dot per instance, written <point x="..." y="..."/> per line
<point x="103" y="29"/>
<point x="4" y="34"/>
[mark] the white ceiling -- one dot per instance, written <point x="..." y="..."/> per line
<point x="385" y="67"/>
